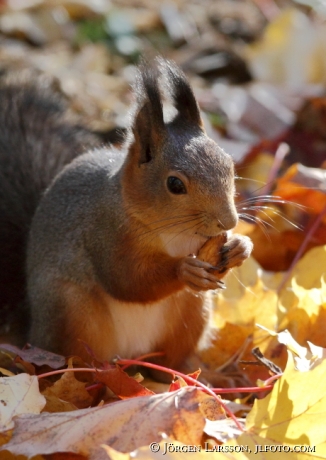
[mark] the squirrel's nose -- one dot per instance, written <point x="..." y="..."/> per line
<point x="228" y="220"/>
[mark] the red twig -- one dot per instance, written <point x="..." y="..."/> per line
<point x="146" y="356"/>
<point x="186" y="378"/>
<point x="243" y="389"/>
<point x="272" y="379"/>
<point x="62" y="371"/>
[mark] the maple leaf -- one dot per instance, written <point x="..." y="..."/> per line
<point x="121" y="383"/>
<point x="18" y="395"/>
<point x="67" y="393"/>
<point x="290" y="415"/>
<point x="83" y="431"/>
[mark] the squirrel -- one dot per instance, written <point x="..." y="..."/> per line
<point x="112" y="235"/>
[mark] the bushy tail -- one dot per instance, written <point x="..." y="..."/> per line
<point x="37" y="140"/>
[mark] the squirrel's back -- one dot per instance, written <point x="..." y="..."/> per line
<point x="38" y="137"/>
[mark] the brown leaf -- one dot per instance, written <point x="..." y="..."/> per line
<point x="36" y="356"/>
<point x="25" y="366"/>
<point x="121" y="383"/>
<point x="82" y="432"/>
<point x="55" y="404"/>
<point x="70" y="390"/>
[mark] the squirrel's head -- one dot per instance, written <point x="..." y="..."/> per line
<point x="176" y="179"/>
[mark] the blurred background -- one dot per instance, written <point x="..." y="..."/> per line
<point x="258" y="69"/>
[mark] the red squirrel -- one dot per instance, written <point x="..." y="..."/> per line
<point x="112" y="246"/>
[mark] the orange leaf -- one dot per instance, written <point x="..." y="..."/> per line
<point x="121" y="383"/>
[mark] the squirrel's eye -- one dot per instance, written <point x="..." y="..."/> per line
<point x="176" y="186"/>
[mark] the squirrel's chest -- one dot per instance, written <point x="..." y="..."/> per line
<point x="132" y="329"/>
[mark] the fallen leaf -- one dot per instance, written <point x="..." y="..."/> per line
<point x="236" y="310"/>
<point x="304" y="358"/>
<point x="18" y="395"/>
<point x="290" y="416"/>
<point x="36" y="356"/>
<point x="305" y="186"/>
<point x="290" y="50"/>
<point x="55" y="404"/>
<point x="69" y="390"/>
<point x="303" y="299"/>
<point x="82" y="431"/>
<point x="282" y="224"/>
<point x="222" y="430"/>
<point x="121" y="383"/>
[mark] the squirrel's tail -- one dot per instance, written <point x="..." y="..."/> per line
<point x="38" y="138"/>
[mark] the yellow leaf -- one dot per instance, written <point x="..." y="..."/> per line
<point x="246" y="299"/>
<point x="262" y="449"/>
<point x="224" y="343"/>
<point x="310" y="270"/>
<point x="304" y="299"/>
<point x="290" y="50"/>
<point x="291" y="414"/>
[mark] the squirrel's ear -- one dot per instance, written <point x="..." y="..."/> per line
<point x="148" y="125"/>
<point x="183" y="97"/>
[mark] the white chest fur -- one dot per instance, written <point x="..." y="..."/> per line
<point x="138" y="328"/>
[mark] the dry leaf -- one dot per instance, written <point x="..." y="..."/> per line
<point x="290" y="416"/>
<point x="36" y="356"/>
<point x="283" y="227"/>
<point x="291" y="50"/>
<point x="67" y="389"/>
<point x="222" y="430"/>
<point x="121" y="383"/>
<point x="55" y="404"/>
<point x="177" y="414"/>
<point x="18" y="395"/>
<point x="304" y="358"/>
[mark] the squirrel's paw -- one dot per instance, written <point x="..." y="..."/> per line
<point x="195" y="274"/>
<point x="224" y="252"/>
<point x="234" y="252"/>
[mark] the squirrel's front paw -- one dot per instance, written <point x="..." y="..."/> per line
<point x="224" y="252"/>
<point x="195" y="274"/>
<point x="235" y="251"/>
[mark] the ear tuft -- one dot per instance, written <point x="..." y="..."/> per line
<point x="147" y="91"/>
<point x="181" y="92"/>
<point x="148" y="125"/>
